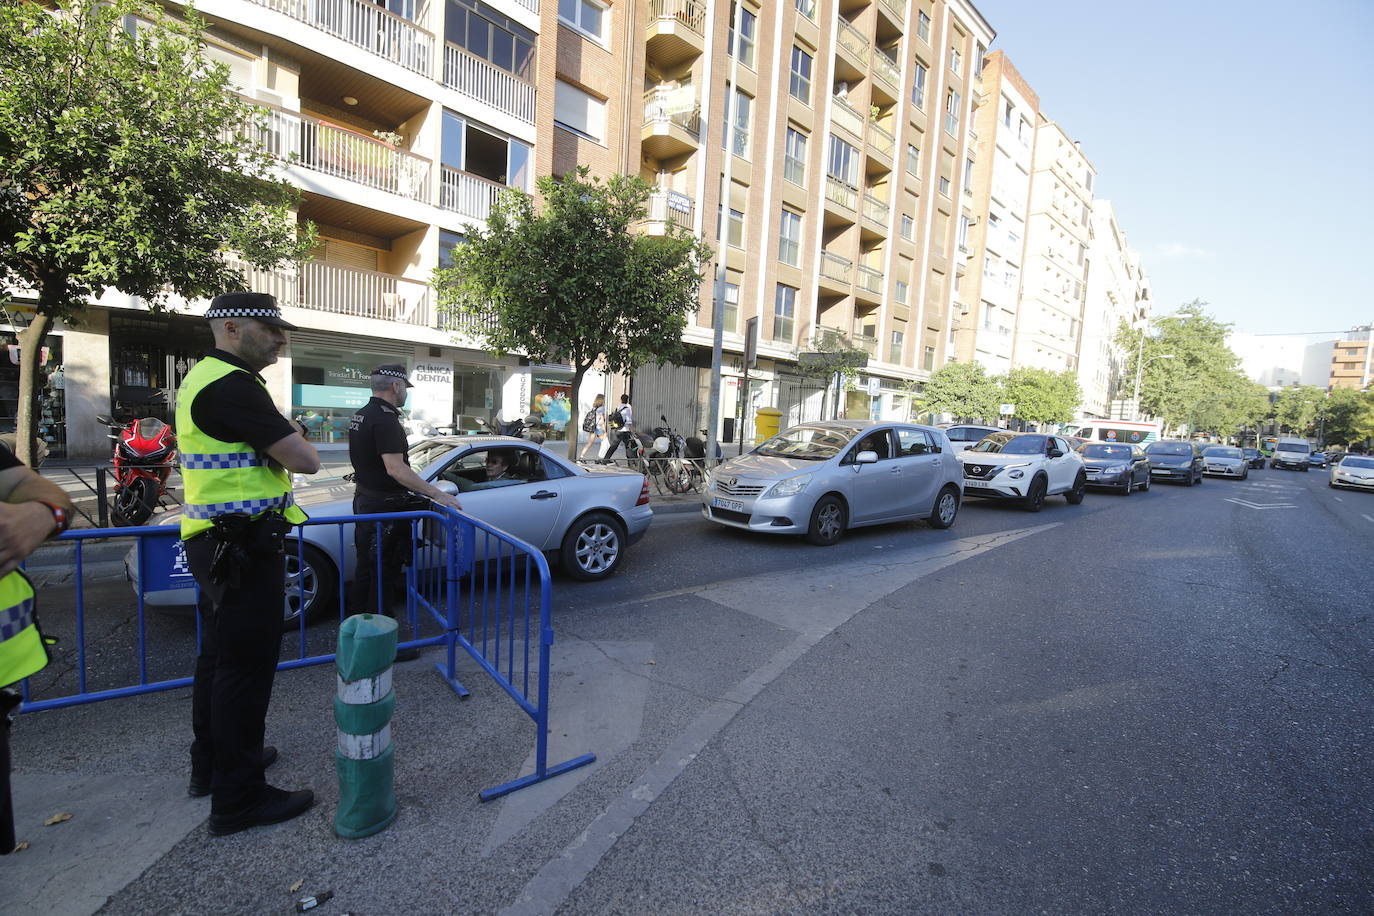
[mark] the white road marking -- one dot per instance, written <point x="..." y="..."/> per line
<point x="1367" y="518"/>
<point x="1248" y="504"/>
<point x="1338" y="499"/>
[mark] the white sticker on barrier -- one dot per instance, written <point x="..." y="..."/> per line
<point x="367" y="690"/>
<point x="365" y="747"/>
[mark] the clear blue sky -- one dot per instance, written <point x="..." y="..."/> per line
<point x="1234" y="138"/>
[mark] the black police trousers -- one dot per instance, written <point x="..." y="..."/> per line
<point x="370" y="595"/>
<point x="241" y="632"/>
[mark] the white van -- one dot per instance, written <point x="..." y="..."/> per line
<point x="1126" y="431"/>
<point x="1291" y="453"/>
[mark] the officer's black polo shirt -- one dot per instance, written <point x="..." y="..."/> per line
<point x="237" y="408"/>
<point x="374" y="431"/>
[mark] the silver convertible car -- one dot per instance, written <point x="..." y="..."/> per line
<point x="819" y="479"/>
<point x="584" y="518"/>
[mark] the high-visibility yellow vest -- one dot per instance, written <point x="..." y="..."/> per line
<point x="21" y="647"/>
<point x="221" y="477"/>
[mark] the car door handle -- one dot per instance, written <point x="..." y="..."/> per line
<point x="545" y="494"/>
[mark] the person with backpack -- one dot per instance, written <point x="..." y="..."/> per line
<point x="594" y="425"/>
<point x="622" y="425"/>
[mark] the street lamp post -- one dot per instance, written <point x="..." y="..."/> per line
<point x="1139" y="366"/>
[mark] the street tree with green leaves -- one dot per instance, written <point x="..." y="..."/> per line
<point x="574" y="282"/>
<point x="1042" y="396"/>
<point x="125" y="162"/>
<point x="833" y="357"/>
<point x="1184" y="363"/>
<point x="1349" y="416"/>
<point x="964" y="390"/>
<point x="1297" y="409"/>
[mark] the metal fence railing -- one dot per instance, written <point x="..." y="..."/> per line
<point x="468" y="587"/>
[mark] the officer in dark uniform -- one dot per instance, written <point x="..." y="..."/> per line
<point x="384" y="482"/>
<point x="237" y="455"/>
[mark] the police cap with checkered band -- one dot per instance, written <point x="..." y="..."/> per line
<point x="393" y="370"/>
<point x="258" y="306"/>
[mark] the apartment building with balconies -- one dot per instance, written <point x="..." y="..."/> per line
<point x="999" y="193"/>
<point x="1050" y="315"/>
<point x="1114" y="295"/>
<point x="843" y="129"/>
<point x="1352" y="359"/>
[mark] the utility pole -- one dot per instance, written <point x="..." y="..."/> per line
<point x="718" y="308"/>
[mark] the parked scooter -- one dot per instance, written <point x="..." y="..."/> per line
<point x="669" y="454"/>
<point x="144" y="453"/>
<point x="530" y="428"/>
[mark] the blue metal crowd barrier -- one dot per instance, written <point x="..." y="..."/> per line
<point x="468" y="586"/>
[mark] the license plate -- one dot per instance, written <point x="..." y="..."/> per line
<point x="1160" y="471"/>
<point x="733" y="505"/>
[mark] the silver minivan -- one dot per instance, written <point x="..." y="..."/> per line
<point x="820" y="479"/>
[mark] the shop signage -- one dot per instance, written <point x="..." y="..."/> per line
<point x="329" y="396"/>
<point x="430" y="403"/>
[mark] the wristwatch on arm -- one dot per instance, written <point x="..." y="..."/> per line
<point x="59" y="516"/>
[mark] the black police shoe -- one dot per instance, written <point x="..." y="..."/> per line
<point x="200" y="782"/>
<point x="277" y="805"/>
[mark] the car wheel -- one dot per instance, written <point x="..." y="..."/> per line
<point x="946" y="508"/>
<point x="1034" y="500"/>
<point x="828" y="521"/>
<point x="1245" y="475"/>
<point x="311" y="584"/>
<point x="1145" y="485"/>
<point x="1080" y="486"/>
<point x="593" y="548"/>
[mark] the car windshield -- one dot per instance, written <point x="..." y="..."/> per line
<point x="1222" y="451"/>
<point x="809" y="443"/>
<point x="423" y="454"/>
<point x="1251" y="452"/>
<point x="1115" y="452"/>
<point x="1012" y="445"/>
<point x="1170" y="448"/>
<point x="1353" y="462"/>
<point x="1291" y="447"/>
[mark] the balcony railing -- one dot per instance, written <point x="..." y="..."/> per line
<point x="675" y="106"/>
<point x="880" y="139"/>
<point x="897" y="8"/>
<point x="671" y="207"/>
<point x="323" y="287"/>
<point x="835" y="267"/>
<point x="366" y="26"/>
<point x="481" y="80"/>
<point x="344" y="153"/>
<point x="855" y="42"/>
<point x="824" y="337"/>
<point x="843" y="194"/>
<point x="870" y="279"/>
<point x="845" y="116"/>
<point x="866" y="342"/>
<point x="876" y="210"/>
<point x="691" y="13"/>
<point x="887" y="70"/>
<point x="466" y="194"/>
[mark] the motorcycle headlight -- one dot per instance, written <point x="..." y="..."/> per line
<point x="789" y="487"/>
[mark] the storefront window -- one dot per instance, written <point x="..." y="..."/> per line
<point x="476" y="394"/>
<point x="328" y="387"/>
<point x="51" y="385"/>
<point x="551" y="403"/>
<point x="149" y="356"/>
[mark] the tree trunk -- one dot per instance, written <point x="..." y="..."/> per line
<point x="26" y="428"/>
<point x="575" y="421"/>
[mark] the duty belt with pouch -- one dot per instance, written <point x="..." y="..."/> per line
<point x="395" y="502"/>
<point x="240" y="539"/>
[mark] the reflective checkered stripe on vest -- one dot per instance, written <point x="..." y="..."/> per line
<point x="21" y="646"/>
<point x="223" y="477"/>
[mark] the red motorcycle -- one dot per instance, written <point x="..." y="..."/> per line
<point x="144" y="453"/>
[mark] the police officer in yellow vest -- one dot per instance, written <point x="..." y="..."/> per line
<point x="237" y="455"/>
<point x="31" y="511"/>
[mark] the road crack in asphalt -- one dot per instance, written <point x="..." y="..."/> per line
<point x="638" y="671"/>
<point x="794" y="880"/>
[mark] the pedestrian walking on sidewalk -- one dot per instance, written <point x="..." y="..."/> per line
<point x="384" y="482"/>
<point x="622" y="426"/>
<point x="238" y="453"/>
<point x="596" y="436"/>
<point x="31" y="511"/>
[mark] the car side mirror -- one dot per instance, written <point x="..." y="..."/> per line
<point x="447" y="486"/>
<point x="1055" y="453"/>
<point x="866" y="457"/>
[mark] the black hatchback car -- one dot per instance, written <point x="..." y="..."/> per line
<point x="1254" y="457"/>
<point x="1176" y="460"/>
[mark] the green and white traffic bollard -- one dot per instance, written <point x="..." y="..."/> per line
<point x="365" y="760"/>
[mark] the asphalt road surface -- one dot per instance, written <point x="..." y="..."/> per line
<point x="1160" y="703"/>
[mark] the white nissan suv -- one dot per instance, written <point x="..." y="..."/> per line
<point x="1025" y="467"/>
